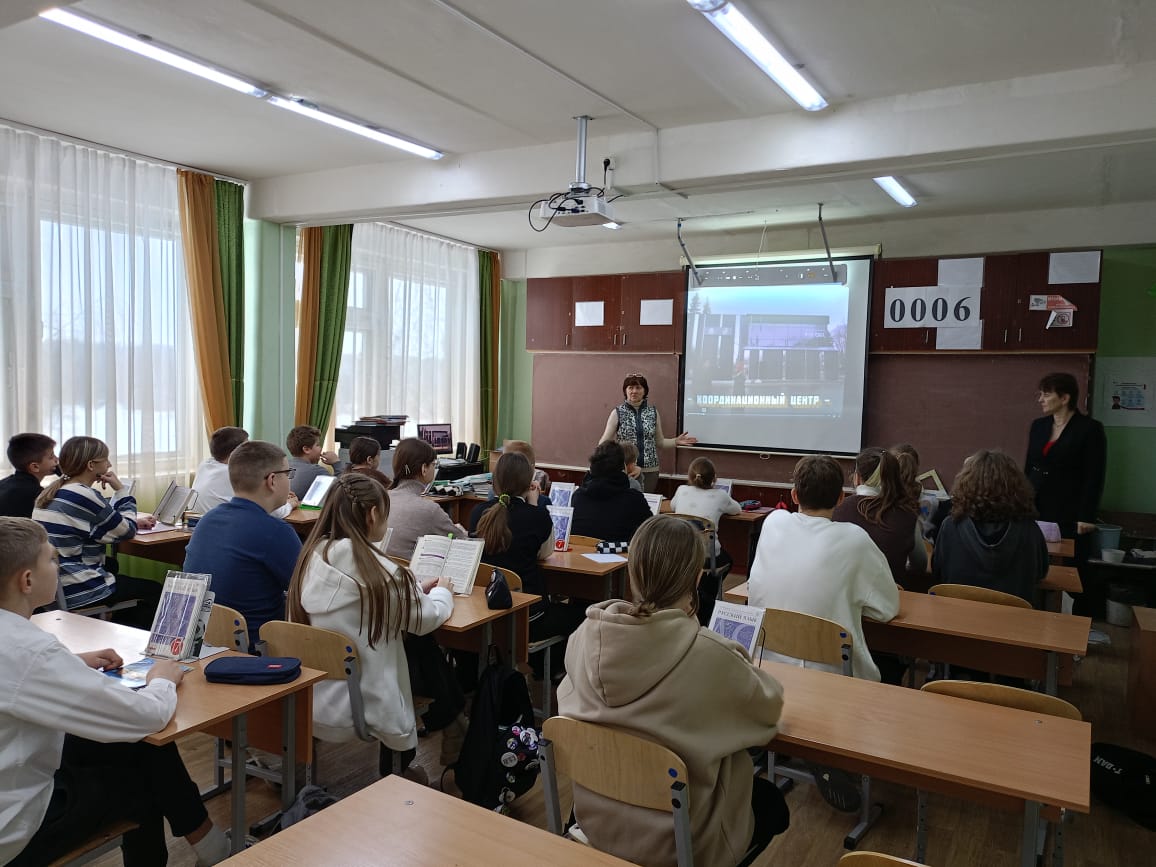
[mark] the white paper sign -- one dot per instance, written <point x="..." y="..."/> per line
<point x="1124" y="391"/>
<point x="657" y="312"/>
<point x="967" y="337"/>
<point x="1074" y="267"/>
<point x="931" y="306"/>
<point x="961" y="272"/>
<point x="588" y="313"/>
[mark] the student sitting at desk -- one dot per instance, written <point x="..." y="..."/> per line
<point x="884" y="506"/>
<point x="70" y="752"/>
<point x="805" y="562"/>
<point x="633" y="470"/>
<point x="33" y="457"/>
<point x="212" y="479"/>
<point x="991" y="539"/>
<point x="649" y="668"/>
<point x="605" y="507"/>
<point x="541" y="481"/>
<point x="700" y="497"/>
<point x="344" y="583"/>
<point x="365" y="458"/>
<point x="412" y="515"/>
<point x="249" y="553"/>
<point x="81" y="522"/>
<point x="306" y="457"/>
<point x="518" y="534"/>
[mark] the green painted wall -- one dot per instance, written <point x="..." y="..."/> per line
<point x="270" y="308"/>
<point x="1128" y="329"/>
<point x="515" y="366"/>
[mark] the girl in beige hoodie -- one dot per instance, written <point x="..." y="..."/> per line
<point x="650" y="669"/>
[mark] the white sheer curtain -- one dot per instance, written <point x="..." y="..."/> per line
<point x="411" y="334"/>
<point x="95" y="334"/>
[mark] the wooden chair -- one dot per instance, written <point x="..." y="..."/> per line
<point x="227" y="628"/>
<point x="102" y="842"/>
<point x="617" y="765"/>
<point x="978" y="594"/>
<point x="815" y="639"/>
<point x="541" y="646"/>
<point x="1021" y="699"/>
<point x="588" y="541"/>
<point x="874" y="859"/>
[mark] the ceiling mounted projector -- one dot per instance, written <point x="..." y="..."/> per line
<point x="581" y="204"/>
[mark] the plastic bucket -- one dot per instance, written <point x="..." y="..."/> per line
<point x="1119" y="613"/>
<point x="1108" y="535"/>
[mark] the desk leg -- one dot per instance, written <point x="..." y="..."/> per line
<point x="1051" y="683"/>
<point x="240" y="740"/>
<point x="484" y="653"/>
<point x="1031" y="825"/>
<point x="289" y="750"/>
<point x="921" y="826"/>
<point x="512" y="620"/>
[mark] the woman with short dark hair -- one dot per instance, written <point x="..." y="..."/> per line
<point x="635" y="420"/>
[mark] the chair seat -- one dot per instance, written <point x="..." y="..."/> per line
<point x="104" y="840"/>
<point x="543" y="643"/>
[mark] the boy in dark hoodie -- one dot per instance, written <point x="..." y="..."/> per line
<point x="991" y="538"/>
<point x="606" y="507"/>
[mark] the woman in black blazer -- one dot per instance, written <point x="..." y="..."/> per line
<point x="1067" y="454"/>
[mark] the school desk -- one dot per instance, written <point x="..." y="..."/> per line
<point x="164" y="546"/>
<point x="200" y="705"/>
<point x="1017" y="642"/>
<point x="398" y="823"/>
<point x="1065" y="549"/>
<point x="572" y="574"/>
<point x="1012" y="759"/>
<point x="471" y="625"/>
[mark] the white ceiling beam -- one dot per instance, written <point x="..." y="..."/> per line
<point x="1037" y="114"/>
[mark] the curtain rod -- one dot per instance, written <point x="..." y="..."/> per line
<point x="27" y="127"/>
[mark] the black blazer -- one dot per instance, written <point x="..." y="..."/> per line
<point x="1069" y="479"/>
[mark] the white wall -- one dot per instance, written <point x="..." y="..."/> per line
<point x="1109" y="226"/>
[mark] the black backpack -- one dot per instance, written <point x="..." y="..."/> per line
<point x="1125" y="779"/>
<point x="499" y="758"/>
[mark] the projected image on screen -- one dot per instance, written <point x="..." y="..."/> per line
<point x="775" y="356"/>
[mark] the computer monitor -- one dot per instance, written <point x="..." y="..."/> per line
<point x="440" y="436"/>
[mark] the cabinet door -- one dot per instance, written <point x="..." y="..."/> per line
<point x="900" y="272"/>
<point x="658" y="287"/>
<point x="548" y="313"/>
<point x="599" y="299"/>
<point x="1030" y="326"/>
<point x="1002" y="285"/>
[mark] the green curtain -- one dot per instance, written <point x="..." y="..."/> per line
<point x="230" y="201"/>
<point x="336" y="250"/>
<point x="489" y="285"/>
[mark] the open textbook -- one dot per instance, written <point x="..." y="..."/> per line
<point x="741" y="623"/>
<point x="455" y="559"/>
<point x="182" y="616"/>
<point x="654" y="501"/>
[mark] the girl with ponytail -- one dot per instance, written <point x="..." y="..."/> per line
<point x="81" y="521"/>
<point x="886" y="506"/>
<point x="518" y="534"/>
<point x="345" y="583"/>
<point x="701" y="498"/>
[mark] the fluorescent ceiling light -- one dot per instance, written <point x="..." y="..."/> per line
<point x="146" y="48"/>
<point x="355" y="128"/>
<point x="895" y="190"/>
<point x="153" y="52"/>
<point x="747" y="38"/>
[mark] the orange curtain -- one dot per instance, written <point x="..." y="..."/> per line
<point x="307" y="322"/>
<point x="197" y="199"/>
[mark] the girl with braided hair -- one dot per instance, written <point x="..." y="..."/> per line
<point x="345" y="583"/>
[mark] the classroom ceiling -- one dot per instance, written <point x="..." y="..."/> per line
<point x="495" y="84"/>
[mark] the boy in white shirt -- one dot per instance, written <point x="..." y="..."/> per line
<point x="71" y="760"/>
<point x="212" y="479"/>
<point x="806" y="563"/>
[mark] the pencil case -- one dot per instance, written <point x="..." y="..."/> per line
<point x="253" y="669"/>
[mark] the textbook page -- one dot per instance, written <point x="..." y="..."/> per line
<point x="654" y="501"/>
<point x="429" y="556"/>
<point x="561" y="492"/>
<point x="741" y="623"/>
<point x="461" y="565"/>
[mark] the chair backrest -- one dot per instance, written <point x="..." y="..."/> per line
<point x="979" y="594"/>
<point x="614" y="763"/>
<point x="513" y="579"/>
<point x="324" y="650"/>
<point x="227" y="628"/>
<point x="589" y="541"/>
<point x="874" y="859"/>
<point x="701" y="524"/>
<point x="804" y="636"/>
<point x="1007" y="696"/>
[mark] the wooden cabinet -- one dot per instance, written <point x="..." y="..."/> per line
<point x="1009" y="279"/>
<point x="551" y="311"/>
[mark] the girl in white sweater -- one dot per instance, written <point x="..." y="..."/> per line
<point x="344" y="583"/>
<point x="701" y="498"/>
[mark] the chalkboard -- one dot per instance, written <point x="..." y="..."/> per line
<point x="947" y="406"/>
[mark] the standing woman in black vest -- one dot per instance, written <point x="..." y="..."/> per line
<point x="636" y="421"/>
<point x="1067" y="454"/>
